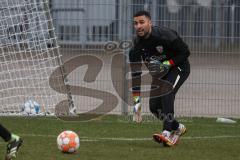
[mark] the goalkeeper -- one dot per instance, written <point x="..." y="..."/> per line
<point x="166" y="56"/>
<point x="14" y="142"/>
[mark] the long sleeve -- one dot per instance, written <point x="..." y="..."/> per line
<point x="180" y="50"/>
<point x="135" y="65"/>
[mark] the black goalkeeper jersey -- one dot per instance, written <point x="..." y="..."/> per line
<point x="163" y="43"/>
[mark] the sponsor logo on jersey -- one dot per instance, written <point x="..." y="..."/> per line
<point x="159" y="49"/>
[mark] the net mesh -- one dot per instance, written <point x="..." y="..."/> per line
<point x="28" y="56"/>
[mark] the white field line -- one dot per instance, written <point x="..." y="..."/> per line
<point x="90" y="139"/>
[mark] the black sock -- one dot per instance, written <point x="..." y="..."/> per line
<point x="175" y="125"/>
<point x="5" y="134"/>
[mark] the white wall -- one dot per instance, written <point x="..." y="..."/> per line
<point x="84" y="13"/>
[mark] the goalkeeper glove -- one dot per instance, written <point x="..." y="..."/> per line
<point x="137" y="116"/>
<point x="157" y="67"/>
<point x="167" y="64"/>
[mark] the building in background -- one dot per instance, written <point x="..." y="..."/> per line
<point x="81" y="21"/>
<point x="206" y="22"/>
<point x="210" y="27"/>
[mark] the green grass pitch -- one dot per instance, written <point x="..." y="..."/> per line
<point x="115" y="138"/>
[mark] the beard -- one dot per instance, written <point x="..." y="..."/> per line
<point x="143" y="35"/>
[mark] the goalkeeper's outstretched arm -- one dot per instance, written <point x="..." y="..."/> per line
<point x="136" y="72"/>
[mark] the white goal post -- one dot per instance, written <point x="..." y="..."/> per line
<point x="29" y="55"/>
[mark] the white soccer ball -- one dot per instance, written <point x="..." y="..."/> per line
<point x="31" y="107"/>
<point x="68" y="142"/>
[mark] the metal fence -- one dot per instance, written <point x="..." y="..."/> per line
<point x="207" y="22"/>
<point x="211" y="28"/>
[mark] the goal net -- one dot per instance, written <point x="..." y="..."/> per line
<point x="28" y="58"/>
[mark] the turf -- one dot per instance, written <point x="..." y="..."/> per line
<point x="116" y="138"/>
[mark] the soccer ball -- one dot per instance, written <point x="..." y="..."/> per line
<point x="31" y="107"/>
<point x="68" y="142"/>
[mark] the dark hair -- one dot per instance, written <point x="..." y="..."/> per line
<point x="142" y="13"/>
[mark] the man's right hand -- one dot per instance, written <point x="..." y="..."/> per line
<point x="137" y="116"/>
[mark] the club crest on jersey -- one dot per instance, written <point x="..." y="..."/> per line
<point x="159" y="49"/>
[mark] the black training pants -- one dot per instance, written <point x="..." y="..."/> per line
<point x="163" y="106"/>
<point x="4" y="133"/>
